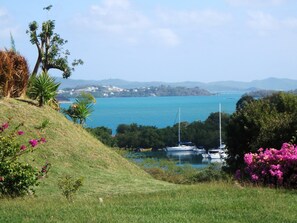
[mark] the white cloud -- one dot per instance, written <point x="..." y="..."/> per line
<point x="204" y="18"/>
<point x="120" y="19"/>
<point x="264" y="22"/>
<point x="255" y="2"/>
<point x="290" y="23"/>
<point x="114" y="16"/>
<point x="167" y="36"/>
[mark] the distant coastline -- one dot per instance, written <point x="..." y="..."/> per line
<point x="113" y="91"/>
<point x="272" y="83"/>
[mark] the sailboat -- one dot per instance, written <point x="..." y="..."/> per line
<point x="186" y="146"/>
<point x="218" y="153"/>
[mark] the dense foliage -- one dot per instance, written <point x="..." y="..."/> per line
<point x="135" y="136"/>
<point x="272" y="167"/>
<point x="104" y="135"/>
<point x="265" y="122"/>
<point x="17" y="178"/>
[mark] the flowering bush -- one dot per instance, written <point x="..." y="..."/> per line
<point x="17" y="178"/>
<point x="272" y="166"/>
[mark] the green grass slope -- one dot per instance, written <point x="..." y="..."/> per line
<point x="129" y="194"/>
<point x="72" y="150"/>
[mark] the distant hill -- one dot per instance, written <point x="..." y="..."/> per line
<point x="265" y="84"/>
<point x="112" y="91"/>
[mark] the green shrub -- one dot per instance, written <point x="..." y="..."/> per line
<point x="211" y="173"/>
<point x="43" y="88"/>
<point x="168" y="171"/>
<point x="70" y="186"/>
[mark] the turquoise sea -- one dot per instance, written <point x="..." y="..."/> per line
<point x="158" y="111"/>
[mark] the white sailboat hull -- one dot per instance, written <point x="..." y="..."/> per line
<point x="214" y="155"/>
<point x="180" y="148"/>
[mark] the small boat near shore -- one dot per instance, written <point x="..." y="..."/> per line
<point x="200" y="150"/>
<point x="188" y="146"/>
<point x="182" y="146"/>
<point x="214" y="154"/>
<point x="220" y="152"/>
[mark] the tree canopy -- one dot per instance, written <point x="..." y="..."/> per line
<point x="262" y="123"/>
<point x="135" y="136"/>
<point x="51" y="54"/>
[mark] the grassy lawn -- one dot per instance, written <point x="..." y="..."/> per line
<point x="212" y="202"/>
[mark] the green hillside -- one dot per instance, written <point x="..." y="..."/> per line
<point x="72" y="150"/>
<point x="116" y="190"/>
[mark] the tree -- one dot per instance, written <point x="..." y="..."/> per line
<point x="81" y="108"/>
<point x="207" y="133"/>
<point x="264" y="123"/>
<point x="243" y="101"/>
<point x="149" y="137"/>
<point x="50" y="49"/>
<point x="104" y="135"/>
<point x="128" y="136"/>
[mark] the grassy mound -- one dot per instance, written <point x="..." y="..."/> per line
<point x="72" y="150"/>
<point x="116" y="190"/>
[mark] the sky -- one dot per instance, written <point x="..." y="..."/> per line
<point x="165" y="40"/>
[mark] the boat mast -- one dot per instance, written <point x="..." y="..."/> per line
<point x="220" y="124"/>
<point x="179" y="126"/>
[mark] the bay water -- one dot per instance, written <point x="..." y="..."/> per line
<point x="161" y="112"/>
<point x="158" y="111"/>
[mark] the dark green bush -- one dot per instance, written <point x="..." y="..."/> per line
<point x="211" y="173"/>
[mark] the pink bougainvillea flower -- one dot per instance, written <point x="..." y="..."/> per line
<point x="1" y="179"/>
<point x="255" y="177"/>
<point x="248" y="158"/>
<point x="275" y="167"/>
<point x="5" y="125"/>
<point x="260" y="150"/>
<point x="20" y="133"/>
<point x="23" y="147"/>
<point x="42" y="140"/>
<point x="272" y="166"/>
<point x="33" y="142"/>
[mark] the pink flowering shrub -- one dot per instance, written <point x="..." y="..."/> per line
<point x="17" y="178"/>
<point x="272" y="166"/>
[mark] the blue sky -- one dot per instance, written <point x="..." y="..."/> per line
<point x="165" y="40"/>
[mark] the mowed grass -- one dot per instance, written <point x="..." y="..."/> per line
<point x="212" y="202"/>
<point x="129" y="194"/>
